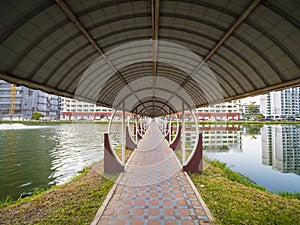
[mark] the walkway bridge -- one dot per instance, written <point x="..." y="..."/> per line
<point x="151" y="55"/>
<point x="151" y="58"/>
<point x="153" y="189"/>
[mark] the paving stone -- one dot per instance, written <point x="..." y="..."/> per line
<point x="154" y="222"/>
<point x="153" y="190"/>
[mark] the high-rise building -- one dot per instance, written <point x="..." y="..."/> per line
<point x="280" y="148"/>
<point x="72" y="109"/>
<point x="19" y="102"/>
<point x="281" y="103"/>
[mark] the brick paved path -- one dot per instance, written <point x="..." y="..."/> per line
<point x="153" y="189"/>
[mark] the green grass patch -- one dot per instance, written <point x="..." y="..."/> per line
<point x="289" y="195"/>
<point x="178" y="153"/>
<point x="75" y="202"/>
<point x="234" y="199"/>
<point x="128" y="153"/>
<point x="235" y="176"/>
<point x="6" y="201"/>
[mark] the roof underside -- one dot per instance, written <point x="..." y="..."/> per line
<point x="151" y="57"/>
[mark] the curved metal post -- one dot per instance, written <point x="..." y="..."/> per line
<point x="195" y="164"/>
<point x="110" y="121"/>
<point x="111" y="163"/>
<point x="176" y="143"/>
<point x="177" y="129"/>
<point x="129" y="142"/>
<point x="195" y="161"/>
<point x="136" y="131"/>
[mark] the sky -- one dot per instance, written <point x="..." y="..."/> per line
<point x="255" y="99"/>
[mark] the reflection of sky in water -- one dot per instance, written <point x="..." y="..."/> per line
<point x="19" y="126"/>
<point x="250" y="161"/>
<point x="33" y="156"/>
<point x="77" y="145"/>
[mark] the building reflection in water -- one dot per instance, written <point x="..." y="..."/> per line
<point x="221" y="137"/>
<point x="281" y="148"/>
<point x="215" y="138"/>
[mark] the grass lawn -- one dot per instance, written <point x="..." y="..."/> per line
<point x="75" y="202"/>
<point x="233" y="199"/>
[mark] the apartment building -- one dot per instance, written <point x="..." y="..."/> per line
<point x="280" y="148"/>
<point x="72" y="109"/>
<point x="19" y="102"/>
<point x="222" y="111"/>
<point x="281" y="104"/>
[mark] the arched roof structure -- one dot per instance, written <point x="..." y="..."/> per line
<point x="150" y="56"/>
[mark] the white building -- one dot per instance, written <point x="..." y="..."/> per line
<point x="222" y="111"/>
<point x="72" y="109"/>
<point x="221" y="137"/>
<point x="280" y="148"/>
<point x="281" y="103"/>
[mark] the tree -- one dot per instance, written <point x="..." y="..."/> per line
<point x="253" y="111"/>
<point x="36" y="115"/>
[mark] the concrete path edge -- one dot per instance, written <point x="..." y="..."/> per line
<point x="205" y="208"/>
<point x="106" y="201"/>
<point x="110" y="194"/>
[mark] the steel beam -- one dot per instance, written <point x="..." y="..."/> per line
<point x="88" y="36"/>
<point x="155" y="13"/>
<point x="226" y="35"/>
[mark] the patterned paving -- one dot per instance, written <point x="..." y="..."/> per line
<point x="153" y="190"/>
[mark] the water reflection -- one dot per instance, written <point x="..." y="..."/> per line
<point x="76" y="145"/>
<point x="280" y="148"/>
<point x="254" y="150"/>
<point x="24" y="160"/>
<point x="38" y="156"/>
<point x="42" y="156"/>
<point x="221" y="137"/>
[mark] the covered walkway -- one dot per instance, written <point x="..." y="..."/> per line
<point x="153" y="54"/>
<point x="153" y="189"/>
<point x="151" y="58"/>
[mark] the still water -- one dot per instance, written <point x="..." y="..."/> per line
<point x="40" y="156"/>
<point x="268" y="155"/>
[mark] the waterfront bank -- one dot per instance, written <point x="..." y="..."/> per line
<point x="230" y="200"/>
<point x="38" y="156"/>
<point x="233" y="199"/>
<point x="75" y="202"/>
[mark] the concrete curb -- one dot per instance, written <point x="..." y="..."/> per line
<point x="106" y="201"/>
<point x="205" y="208"/>
<point x="110" y="194"/>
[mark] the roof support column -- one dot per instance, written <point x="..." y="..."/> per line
<point x="123" y="133"/>
<point x="136" y="128"/>
<point x="155" y="11"/>
<point x="170" y="126"/>
<point x="183" y="133"/>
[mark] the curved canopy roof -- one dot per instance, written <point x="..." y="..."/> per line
<point x="151" y="57"/>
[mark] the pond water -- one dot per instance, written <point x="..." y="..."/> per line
<point x="268" y="155"/>
<point x="40" y="156"/>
